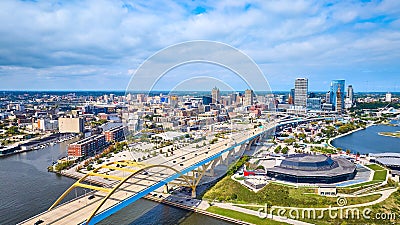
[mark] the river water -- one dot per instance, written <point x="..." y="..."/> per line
<point x="26" y="189"/>
<point x="369" y="141"/>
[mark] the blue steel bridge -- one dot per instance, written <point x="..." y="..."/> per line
<point x="134" y="180"/>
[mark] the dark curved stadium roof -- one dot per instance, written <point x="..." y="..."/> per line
<point x="313" y="168"/>
<point x="308" y="162"/>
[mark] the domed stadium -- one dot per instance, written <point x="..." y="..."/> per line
<point x="306" y="168"/>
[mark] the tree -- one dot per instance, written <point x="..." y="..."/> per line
<point x="277" y="149"/>
<point x="13" y="130"/>
<point x="285" y="150"/>
<point x="234" y="196"/>
<point x="289" y="141"/>
<point x="260" y="167"/>
<point x="89" y="167"/>
<point x="302" y="136"/>
<point x="348" y="151"/>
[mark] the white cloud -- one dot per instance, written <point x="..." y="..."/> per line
<point x="59" y="39"/>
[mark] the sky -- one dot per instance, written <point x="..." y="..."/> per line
<point x="98" y="45"/>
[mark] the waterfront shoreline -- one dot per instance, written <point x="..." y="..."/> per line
<point x="329" y="143"/>
<point x="388" y="135"/>
<point x="194" y="209"/>
<point x="45" y="143"/>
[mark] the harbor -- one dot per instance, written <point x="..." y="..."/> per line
<point x="36" y="143"/>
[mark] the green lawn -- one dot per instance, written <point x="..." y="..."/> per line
<point x="242" y="216"/>
<point x="375" y="167"/>
<point x="387" y="207"/>
<point x="361" y="185"/>
<point x="274" y="194"/>
<point x="380" y="175"/>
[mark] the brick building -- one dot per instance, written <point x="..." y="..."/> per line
<point x="115" y="134"/>
<point x="87" y="146"/>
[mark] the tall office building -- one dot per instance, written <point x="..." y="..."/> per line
<point x="339" y="102"/>
<point x="349" y="101"/>
<point x="174" y="101"/>
<point x="337" y="86"/>
<point x="300" y="92"/>
<point x="388" y="97"/>
<point x="350" y="93"/>
<point x="291" y="97"/>
<point x="328" y="97"/>
<point x="129" y="97"/>
<point x="216" y="95"/>
<point x="248" y="97"/>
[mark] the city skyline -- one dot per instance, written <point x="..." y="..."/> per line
<point x="66" y="45"/>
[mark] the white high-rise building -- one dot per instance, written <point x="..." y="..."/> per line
<point x="129" y="97"/>
<point x="300" y="92"/>
<point x="349" y="100"/>
<point x="388" y="97"/>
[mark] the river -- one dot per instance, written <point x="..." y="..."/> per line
<point x="28" y="189"/>
<point x="369" y="141"/>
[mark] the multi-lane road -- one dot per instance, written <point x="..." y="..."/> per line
<point x="80" y="209"/>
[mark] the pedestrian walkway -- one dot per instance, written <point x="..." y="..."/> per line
<point x="230" y="206"/>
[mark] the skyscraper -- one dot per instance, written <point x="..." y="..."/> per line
<point x="337" y="86"/>
<point x="350" y="93"/>
<point x="291" y="97"/>
<point x="388" y="97"/>
<point x="328" y="97"/>
<point x="339" y="102"/>
<point x="215" y="94"/>
<point x="300" y="92"/>
<point x="248" y="97"/>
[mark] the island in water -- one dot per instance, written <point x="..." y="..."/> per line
<point x="390" y="134"/>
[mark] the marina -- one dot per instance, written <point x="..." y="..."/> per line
<point x="36" y="143"/>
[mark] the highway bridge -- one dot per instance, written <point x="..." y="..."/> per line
<point x="133" y="180"/>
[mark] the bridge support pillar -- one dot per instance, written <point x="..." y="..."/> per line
<point x="194" y="192"/>
<point x="224" y="161"/>
<point x="248" y="146"/>
<point x="241" y="150"/>
<point x="210" y="173"/>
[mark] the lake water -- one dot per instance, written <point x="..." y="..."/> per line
<point x="369" y="141"/>
<point x="27" y="189"/>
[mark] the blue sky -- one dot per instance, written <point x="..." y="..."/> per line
<point x="72" y="45"/>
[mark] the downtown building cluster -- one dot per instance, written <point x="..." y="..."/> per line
<point x="301" y="101"/>
<point x="26" y="118"/>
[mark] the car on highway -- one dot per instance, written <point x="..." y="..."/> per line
<point x="39" y="222"/>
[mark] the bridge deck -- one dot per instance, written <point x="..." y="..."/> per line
<point x="78" y="210"/>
